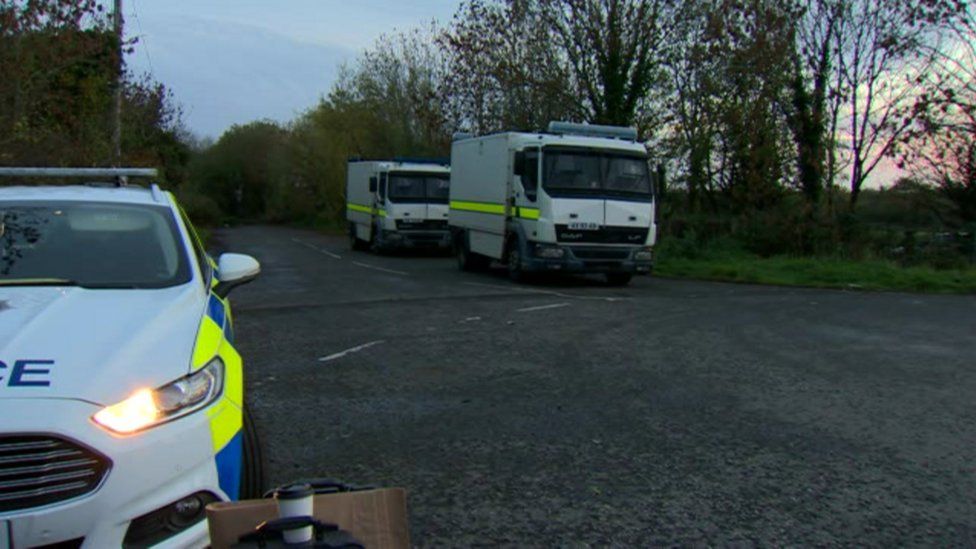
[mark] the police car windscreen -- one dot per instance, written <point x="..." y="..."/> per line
<point x="419" y="187"/>
<point x="95" y="245"/>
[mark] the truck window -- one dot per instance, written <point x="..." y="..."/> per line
<point x="419" y="187"/>
<point x="576" y="171"/>
<point x="596" y="173"/>
<point x="530" y="174"/>
<point x="438" y="188"/>
<point x="626" y="174"/>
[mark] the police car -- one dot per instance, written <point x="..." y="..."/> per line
<point x="122" y="412"/>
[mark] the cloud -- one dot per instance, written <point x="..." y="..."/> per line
<point x="226" y="73"/>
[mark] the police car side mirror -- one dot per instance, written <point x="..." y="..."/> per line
<point x="519" y="167"/>
<point x="234" y="270"/>
<point x="372" y="184"/>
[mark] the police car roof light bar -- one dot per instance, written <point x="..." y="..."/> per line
<point x="121" y="174"/>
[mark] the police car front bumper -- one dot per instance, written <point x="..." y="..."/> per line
<point x="148" y="471"/>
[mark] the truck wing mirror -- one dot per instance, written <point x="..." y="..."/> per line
<point x="519" y="167"/>
<point x="372" y="184"/>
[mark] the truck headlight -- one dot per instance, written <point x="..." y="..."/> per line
<point x="150" y="407"/>
<point x="549" y="252"/>
<point x="644" y="255"/>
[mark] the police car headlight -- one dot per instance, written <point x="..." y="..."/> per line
<point x="150" y="407"/>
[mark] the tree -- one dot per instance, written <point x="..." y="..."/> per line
<point x="881" y="59"/>
<point x="59" y="61"/>
<point x="940" y="145"/>
<point x="504" y="70"/>
<point x="612" y="51"/>
<point x="236" y="172"/>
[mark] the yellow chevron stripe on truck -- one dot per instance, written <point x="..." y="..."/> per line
<point x="366" y="209"/>
<point x="493" y="208"/>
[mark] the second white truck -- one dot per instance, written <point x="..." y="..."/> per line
<point x="400" y="203"/>
<point x="576" y="199"/>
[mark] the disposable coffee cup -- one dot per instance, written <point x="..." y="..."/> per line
<point x="295" y="500"/>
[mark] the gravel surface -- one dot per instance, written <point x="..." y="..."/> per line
<point x="570" y="413"/>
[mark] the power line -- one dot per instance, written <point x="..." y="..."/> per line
<point x="142" y="39"/>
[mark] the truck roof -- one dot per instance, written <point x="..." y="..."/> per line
<point x="82" y="193"/>
<point x="569" y="140"/>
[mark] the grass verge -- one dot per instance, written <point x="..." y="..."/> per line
<point x="818" y="272"/>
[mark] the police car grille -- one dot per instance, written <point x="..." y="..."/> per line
<point x="40" y="470"/>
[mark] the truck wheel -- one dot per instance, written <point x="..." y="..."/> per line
<point x="253" y="470"/>
<point x="354" y="242"/>
<point x="619" y="279"/>
<point x="466" y="260"/>
<point x="514" y="258"/>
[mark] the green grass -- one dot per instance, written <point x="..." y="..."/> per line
<point x="816" y="272"/>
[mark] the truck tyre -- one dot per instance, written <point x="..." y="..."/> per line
<point x="253" y="469"/>
<point x="513" y="258"/>
<point x="619" y="279"/>
<point x="354" y="242"/>
<point x="466" y="259"/>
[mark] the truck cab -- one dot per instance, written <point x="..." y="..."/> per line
<point x="575" y="199"/>
<point x="398" y="204"/>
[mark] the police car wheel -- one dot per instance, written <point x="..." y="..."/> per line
<point x="253" y="471"/>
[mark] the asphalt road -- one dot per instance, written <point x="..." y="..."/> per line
<point x="570" y="413"/>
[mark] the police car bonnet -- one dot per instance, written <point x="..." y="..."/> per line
<point x="94" y="345"/>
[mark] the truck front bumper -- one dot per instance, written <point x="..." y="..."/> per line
<point x="589" y="259"/>
<point x="407" y="239"/>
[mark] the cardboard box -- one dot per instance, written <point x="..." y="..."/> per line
<point x="377" y="518"/>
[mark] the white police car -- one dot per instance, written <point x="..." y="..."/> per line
<point x="121" y="395"/>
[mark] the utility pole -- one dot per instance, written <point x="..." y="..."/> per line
<point x="117" y="100"/>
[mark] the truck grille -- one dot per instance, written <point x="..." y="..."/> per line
<point x="600" y="254"/>
<point x="39" y="470"/>
<point x="603" y="235"/>
<point x="424" y="225"/>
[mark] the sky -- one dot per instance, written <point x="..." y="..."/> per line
<point x="233" y="61"/>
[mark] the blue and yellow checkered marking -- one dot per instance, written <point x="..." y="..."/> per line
<point x="214" y="339"/>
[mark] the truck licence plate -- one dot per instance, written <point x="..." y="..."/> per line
<point x="584" y="226"/>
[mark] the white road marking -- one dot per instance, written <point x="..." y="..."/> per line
<point x="472" y="319"/>
<point x="316" y="248"/>
<point x="547" y="292"/>
<point x="375" y="268"/>
<point x="355" y="349"/>
<point x="330" y="254"/>
<point x="542" y="307"/>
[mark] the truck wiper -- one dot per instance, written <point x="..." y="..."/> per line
<point x="38" y="282"/>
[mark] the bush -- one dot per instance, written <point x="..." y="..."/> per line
<point x="201" y="209"/>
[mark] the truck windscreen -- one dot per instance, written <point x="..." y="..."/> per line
<point x="419" y="187"/>
<point x="595" y="173"/>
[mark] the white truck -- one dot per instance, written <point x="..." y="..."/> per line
<point x="399" y="203"/>
<point x="576" y="199"/>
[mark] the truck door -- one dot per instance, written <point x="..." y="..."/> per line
<point x="525" y="199"/>
<point x="379" y="210"/>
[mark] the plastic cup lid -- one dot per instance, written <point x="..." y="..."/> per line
<point x="294" y="491"/>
